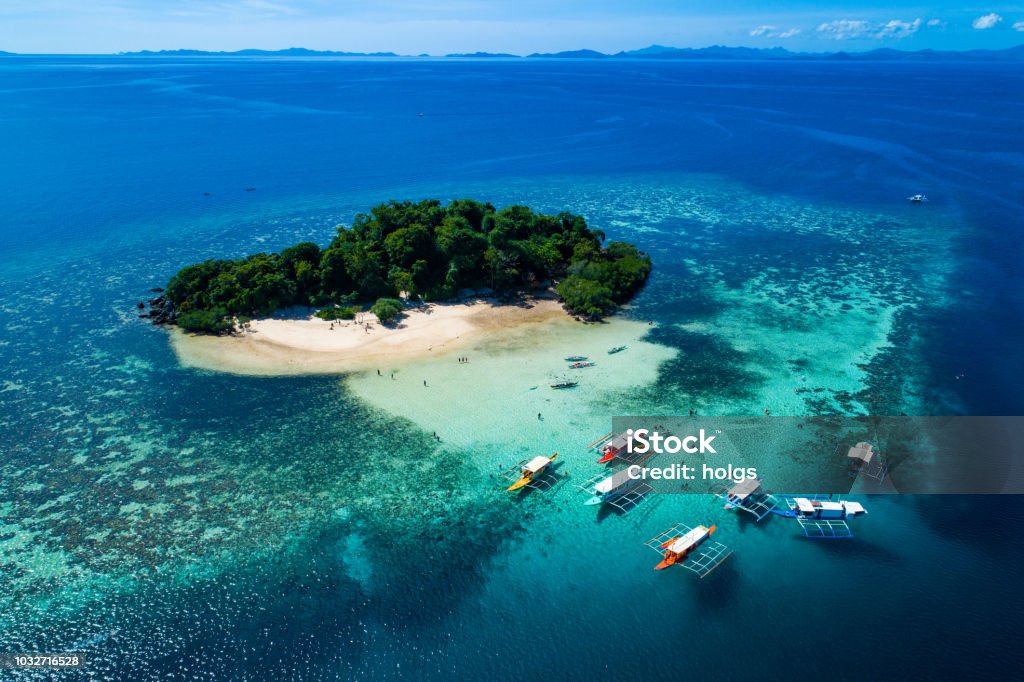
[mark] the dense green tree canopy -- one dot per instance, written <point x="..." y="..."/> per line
<point x="422" y="249"/>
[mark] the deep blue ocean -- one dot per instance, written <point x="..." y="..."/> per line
<point x="179" y="524"/>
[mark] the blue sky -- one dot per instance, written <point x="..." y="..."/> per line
<point x="517" y="26"/>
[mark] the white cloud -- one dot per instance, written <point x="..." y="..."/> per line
<point x="898" y="29"/>
<point x="853" y="29"/>
<point x="935" y="23"/>
<point x="842" y="29"/>
<point x="767" y="31"/>
<point x="1019" y="26"/>
<point x="986" y="21"/>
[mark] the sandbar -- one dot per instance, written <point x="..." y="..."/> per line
<point x="295" y="342"/>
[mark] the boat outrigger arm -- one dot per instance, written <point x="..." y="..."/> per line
<point x="532" y="471"/>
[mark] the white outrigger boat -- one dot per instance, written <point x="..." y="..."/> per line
<point x="917" y="198"/>
<point x="805" y="508"/>
<point x="619" y="490"/>
<point x="822" y="518"/>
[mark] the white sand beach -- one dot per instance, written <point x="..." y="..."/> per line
<point x="296" y="342"/>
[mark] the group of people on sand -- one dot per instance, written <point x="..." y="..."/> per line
<point x="463" y="359"/>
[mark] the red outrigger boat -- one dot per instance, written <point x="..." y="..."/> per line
<point x="677" y="549"/>
<point x="610" y="446"/>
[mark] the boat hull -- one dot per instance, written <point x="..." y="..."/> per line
<point x="522" y="482"/>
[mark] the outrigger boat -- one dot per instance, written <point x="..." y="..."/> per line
<point x="678" y="549"/>
<point x="581" y="365"/>
<point x="820" y="517"/>
<point x="917" y="198"/>
<point x="824" y="510"/>
<point x="531" y="471"/>
<point x="611" y="446"/>
<point x="565" y="384"/>
<point x="617" y="349"/>
<point x="576" y="358"/>
<point x="689" y="548"/>
<point x="620" y="490"/>
<point x="746" y="495"/>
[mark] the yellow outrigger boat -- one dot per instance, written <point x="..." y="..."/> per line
<point x="535" y="468"/>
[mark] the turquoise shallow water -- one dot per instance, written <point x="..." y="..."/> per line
<point x="178" y="522"/>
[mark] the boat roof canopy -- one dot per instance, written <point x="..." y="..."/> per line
<point x="747" y="486"/>
<point x="855" y="508"/>
<point x="804" y="505"/>
<point x="537" y="463"/>
<point x="691" y="538"/>
<point x="617" y="443"/>
<point x="613" y="482"/>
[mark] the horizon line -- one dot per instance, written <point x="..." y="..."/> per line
<point x="387" y="54"/>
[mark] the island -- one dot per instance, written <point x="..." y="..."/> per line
<point x="403" y="252"/>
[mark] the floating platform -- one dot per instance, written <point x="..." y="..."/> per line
<point x="690" y="548"/>
<point x="533" y="473"/>
<point x="618" y="490"/>
<point x="866" y="461"/>
<point x="747" y="496"/>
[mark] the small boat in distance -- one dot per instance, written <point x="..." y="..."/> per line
<point x="581" y="365"/>
<point x="532" y="470"/>
<point x="917" y="198"/>
<point x="576" y="358"/>
<point x="565" y="384"/>
<point x="617" y="349"/>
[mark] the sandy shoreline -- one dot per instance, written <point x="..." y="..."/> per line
<point x="298" y="343"/>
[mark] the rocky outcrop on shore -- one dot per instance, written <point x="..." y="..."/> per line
<point x="161" y="311"/>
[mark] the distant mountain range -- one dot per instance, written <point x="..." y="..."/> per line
<point x="482" y="55"/>
<point x="289" y="52"/>
<point x="716" y="52"/>
<point x="653" y="52"/>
